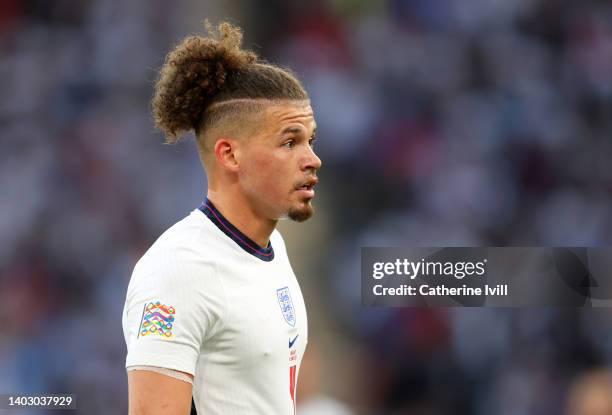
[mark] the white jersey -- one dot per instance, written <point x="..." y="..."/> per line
<point x="206" y="300"/>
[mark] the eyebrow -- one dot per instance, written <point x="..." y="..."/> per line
<point x="292" y="130"/>
<point x="296" y="130"/>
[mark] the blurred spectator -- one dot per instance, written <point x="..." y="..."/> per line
<point x="591" y="394"/>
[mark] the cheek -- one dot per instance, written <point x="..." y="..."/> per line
<point x="267" y="173"/>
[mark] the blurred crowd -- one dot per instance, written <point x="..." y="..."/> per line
<point x="440" y="123"/>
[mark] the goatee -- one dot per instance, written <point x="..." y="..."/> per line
<point x="302" y="214"/>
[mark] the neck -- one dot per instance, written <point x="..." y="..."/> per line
<point x="238" y="210"/>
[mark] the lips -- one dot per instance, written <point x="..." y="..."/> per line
<point x="308" y="184"/>
<point x="306" y="188"/>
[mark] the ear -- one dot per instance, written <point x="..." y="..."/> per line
<point x="226" y="153"/>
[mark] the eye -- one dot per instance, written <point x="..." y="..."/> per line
<point x="311" y="142"/>
<point x="289" y="143"/>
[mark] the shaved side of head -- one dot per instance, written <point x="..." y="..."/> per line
<point x="237" y="119"/>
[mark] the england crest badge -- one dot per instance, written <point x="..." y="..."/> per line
<point x="286" y="305"/>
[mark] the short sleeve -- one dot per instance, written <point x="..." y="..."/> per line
<point x="174" y="302"/>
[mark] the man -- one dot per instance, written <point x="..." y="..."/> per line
<point x="213" y="309"/>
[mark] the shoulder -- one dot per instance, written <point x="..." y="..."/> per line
<point x="178" y="270"/>
<point x="184" y="249"/>
<point x="190" y="238"/>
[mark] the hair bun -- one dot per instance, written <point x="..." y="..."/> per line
<point x="193" y="73"/>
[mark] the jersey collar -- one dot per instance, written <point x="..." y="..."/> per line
<point x="250" y="246"/>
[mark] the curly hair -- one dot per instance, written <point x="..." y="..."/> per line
<point x="203" y="71"/>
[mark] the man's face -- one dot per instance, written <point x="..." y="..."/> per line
<point x="278" y="165"/>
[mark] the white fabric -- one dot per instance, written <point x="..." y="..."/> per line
<point x="162" y="370"/>
<point x="323" y="405"/>
<point x="229" y="330"/>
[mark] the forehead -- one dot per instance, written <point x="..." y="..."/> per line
<point x="282" y="114"/>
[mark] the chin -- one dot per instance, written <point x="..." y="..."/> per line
<point x="302" y="213"/>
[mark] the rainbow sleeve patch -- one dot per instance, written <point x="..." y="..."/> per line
<point x="157" y="319"/>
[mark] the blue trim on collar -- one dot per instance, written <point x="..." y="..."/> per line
<point x="250" y="246"/>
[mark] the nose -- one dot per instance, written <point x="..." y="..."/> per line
<point x="312" y="161"/>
